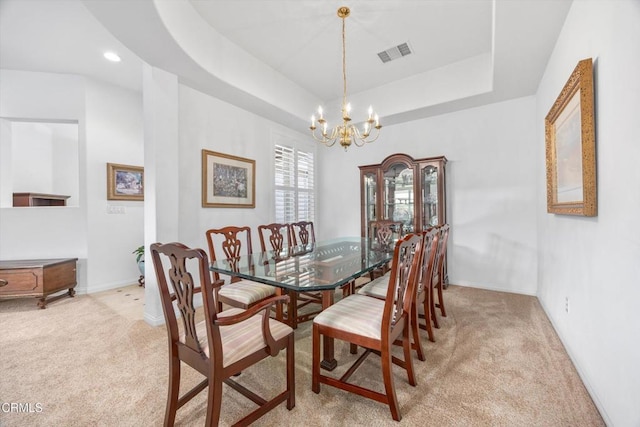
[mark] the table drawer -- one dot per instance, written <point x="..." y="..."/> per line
<point x="17" y="282"/>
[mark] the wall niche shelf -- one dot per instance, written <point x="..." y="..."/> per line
<point x="39" y="199"/>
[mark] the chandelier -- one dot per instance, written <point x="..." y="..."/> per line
<point x="346" y="133"/>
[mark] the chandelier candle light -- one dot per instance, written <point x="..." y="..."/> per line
<point x="346" y="133"/>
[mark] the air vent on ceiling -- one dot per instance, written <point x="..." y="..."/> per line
<point x="394" y="52"/>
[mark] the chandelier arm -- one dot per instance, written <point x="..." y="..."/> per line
<point x="358" y="140"/>
<point x="363" y="140"/>
<point x="374" y="138"/>
<point x="328" y="141"/>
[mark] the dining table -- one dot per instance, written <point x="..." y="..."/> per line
<point x="322" y="266"/>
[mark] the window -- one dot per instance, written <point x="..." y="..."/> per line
<point x="294" y="184"/>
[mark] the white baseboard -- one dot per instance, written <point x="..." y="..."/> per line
<point x="490" y="287"/>
<point x="154" y="320"/>
<point x="105" y="286"/>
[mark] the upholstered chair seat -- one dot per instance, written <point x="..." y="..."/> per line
<point x="245" y="292"/>
<point x="376" y="288"/>
<point x="356" y="314"/>
<point x="240" y="339"/>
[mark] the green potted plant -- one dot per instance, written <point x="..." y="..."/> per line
<point x="139" y="253"/>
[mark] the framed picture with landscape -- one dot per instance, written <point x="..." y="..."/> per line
<point x="125" y="182"/>
<point x="571" y="147"/>
<point x="227" y="181"/>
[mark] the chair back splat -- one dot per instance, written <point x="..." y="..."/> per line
<point x="302" y="233"/>
<point x="249" y="335"/>
<point x="274" y="237"/>
<point x="384" y="233"/>
<point x="374" y="325"/>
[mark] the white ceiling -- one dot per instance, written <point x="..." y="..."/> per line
<point x="280" y="58"/>
<point x="303" y="39"/>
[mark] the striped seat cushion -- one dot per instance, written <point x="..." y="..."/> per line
<point x="376" y="288"/>
<point x="357" y="314"/>
<point x="246" y="292"/>
<point x="241" y="339"/>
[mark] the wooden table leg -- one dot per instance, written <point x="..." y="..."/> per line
<point x="293" y="309"/>
<point x="328" y="362"/>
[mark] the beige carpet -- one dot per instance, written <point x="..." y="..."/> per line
<point x="93" y="361"/>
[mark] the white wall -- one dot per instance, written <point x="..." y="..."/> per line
<point x="32" y="150"/>
<point x="44" y="159"/>
<point x="66" y="161"/>
<point x="208" y="123"/>
<point x="594" y="261"/>
<point x="491" y="189"/>
<point x="114" y="135"/>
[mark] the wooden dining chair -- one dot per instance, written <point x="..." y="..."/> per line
<point x="383" y="234"/>
<point x="235" y="242"/>
<point x="220" y="346"/>
<point x="274" y="237"/>
<point x="423" y="294"/>
<point x="422" y="303"/>
<point x="374" y="325"/>
<point x="438" y="275"/>
<point x="302" y="233"/>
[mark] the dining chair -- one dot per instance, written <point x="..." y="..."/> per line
<point x="302" y="233"/>
<point x="438" y="274"/>
<point x="374" y="325"/>
<point x="276" y="237"/>
<point x="221" y="345"/>
<point x="383" y="234"/>
<point x="235" y="242"/>
<point x="422" y="303"/>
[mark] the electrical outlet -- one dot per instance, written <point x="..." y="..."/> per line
<point x="115" y="209"/>
<point x="566" y="304"/>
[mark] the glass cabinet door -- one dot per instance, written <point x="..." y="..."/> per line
<point x="370" y="185"/>
<point x="399" y="198"/>
<point x="430" y="208"/>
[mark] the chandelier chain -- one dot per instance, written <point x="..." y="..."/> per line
<point x="344" y="65"/>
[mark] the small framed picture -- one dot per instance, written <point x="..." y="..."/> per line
<point x="125" y="182"/>
<point x="228" y="181"/>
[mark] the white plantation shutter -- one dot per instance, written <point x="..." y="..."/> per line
<point x="294" y="185"/>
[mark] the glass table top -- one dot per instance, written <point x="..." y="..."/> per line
<point x="320" y="266"/>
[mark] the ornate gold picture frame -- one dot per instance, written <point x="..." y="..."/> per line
<point x="228" y="181"/>
<point x="571" y="147"/>
<point x="125" y="182"/>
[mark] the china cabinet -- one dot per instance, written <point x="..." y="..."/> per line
<point x="404" y="189"/>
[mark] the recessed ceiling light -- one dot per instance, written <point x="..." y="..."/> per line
<point x="111" y="56"/>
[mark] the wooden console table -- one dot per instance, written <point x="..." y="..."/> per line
<point x="39" y="278"/>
